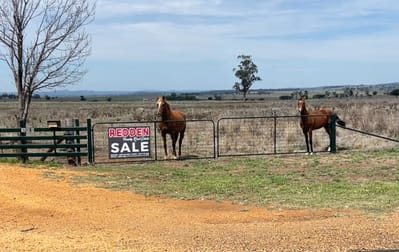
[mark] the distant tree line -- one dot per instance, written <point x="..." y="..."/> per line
<point x="395" y="92"/>
<point x="9" y="96"/>
<point x="12" y="96"/>
<point x="347" y="92"/>
<point x="181" y="97"/>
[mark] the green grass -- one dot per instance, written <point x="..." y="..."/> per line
<point x="365" y="181"/>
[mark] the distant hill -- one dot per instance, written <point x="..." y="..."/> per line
<point x="78" y="93"/>
<point x="93" y="93"/>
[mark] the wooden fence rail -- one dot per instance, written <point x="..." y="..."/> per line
<point x="72" y="142"/>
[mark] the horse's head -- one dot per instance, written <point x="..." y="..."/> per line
<point x="162" y="105"/>
<point x="301" y="105"/>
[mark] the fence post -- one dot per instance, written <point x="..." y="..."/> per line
<point x="333" y="136"/>
<point x="24" y="150"/>
<point x="214" y="140"/>
<point x="155" y="141"/>
<point x="275" y="132"/>
<point x="218" y="138"/>
<point x="77" y="124"/>
<point x="90" y="149"/>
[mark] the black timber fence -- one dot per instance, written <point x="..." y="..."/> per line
<point x="71" y="141"/>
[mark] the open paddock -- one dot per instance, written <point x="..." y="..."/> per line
<point x="252" y="131"/>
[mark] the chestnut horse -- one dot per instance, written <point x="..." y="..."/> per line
<point x="173" y="122"/>
<point x="312" y="120"/>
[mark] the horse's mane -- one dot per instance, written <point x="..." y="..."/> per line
<point x="168" y="107"/>
<point x="166" y="110"/>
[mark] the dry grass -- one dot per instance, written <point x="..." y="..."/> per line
<point x="378" y="115"/>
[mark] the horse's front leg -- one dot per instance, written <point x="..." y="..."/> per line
<point x="328" y="130"/>
<point x="310" y="142"/>
<point x="164" y="144"/>
<point x="305" y="133"/>
<point x="180" y="141"/>
<point x="174" y="140"/>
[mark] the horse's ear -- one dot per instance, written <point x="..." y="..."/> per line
<point x="163" y="98"/>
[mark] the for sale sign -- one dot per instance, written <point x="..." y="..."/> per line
<point x="131" y="142"/>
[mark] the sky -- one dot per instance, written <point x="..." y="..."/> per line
<point x="186" y="45"/>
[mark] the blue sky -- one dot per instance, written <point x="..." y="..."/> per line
<point x="193" y="44"/>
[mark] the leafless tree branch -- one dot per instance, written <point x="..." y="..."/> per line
<point x="44" y="43"/>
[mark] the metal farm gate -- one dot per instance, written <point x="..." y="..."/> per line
<point x="71" y="141"/>
<point x="112" y="142"/>
<point x="131" y="146"/>
<point x="243" y="136"/>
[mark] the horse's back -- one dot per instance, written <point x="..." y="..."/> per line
<point x="319" y="118"/>
<point x="320" y="112"/>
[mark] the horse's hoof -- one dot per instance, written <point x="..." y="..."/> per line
<point x="165" y="157"/>
<point x="175" y="157"/>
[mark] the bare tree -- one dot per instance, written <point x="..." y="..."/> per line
<point x="45" y="44"/>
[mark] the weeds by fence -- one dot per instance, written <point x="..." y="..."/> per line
<point x="241" y="136"/>
<point x="230" y="136"/>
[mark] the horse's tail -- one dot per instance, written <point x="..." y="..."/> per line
<point x="340" y="122"/>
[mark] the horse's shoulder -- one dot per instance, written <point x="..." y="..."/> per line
<point x="162" y="126"/>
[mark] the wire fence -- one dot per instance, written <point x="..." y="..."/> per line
<point x="265" y="135"/>
<point x="241" y="136"/>
<point x="206" y="139"/>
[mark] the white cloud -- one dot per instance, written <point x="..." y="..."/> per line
<point x="281" y="33"/>
<point x="353" y="31"/>
<point x="111" y="8"/>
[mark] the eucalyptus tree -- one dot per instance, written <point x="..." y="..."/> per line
<point x="246" y="71"/>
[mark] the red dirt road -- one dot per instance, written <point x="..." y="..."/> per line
<point x="40" y="214"/>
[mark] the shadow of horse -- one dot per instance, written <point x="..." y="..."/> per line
<point x="312" y="120"/>
<point x="173" y="122"/>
